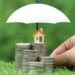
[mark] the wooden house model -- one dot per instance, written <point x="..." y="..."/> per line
<point x="39" y="36"/>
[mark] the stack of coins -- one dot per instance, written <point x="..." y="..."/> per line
<point x="18" y="59"/>
<point x="20" y="48"/>
<point x="36" y="67"/>
<point x="32" y="55"/>
<point x="41" y="49"/>
<point x="28" y="55"/>
<point x="24" y="64"/>
<point x="48" y="63"/>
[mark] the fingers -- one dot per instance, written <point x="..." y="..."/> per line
<point x="66" y="58"/>
<point x="59" y="50"/>
<point x="65" y="53"/>
<point x="71" y="56"/>
<point x="62" y="48"/>
<point x="62" y="59"/>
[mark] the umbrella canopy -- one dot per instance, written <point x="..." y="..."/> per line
<point x="38" y="13"/>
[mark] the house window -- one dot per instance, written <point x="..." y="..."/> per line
<point x="36" y="38"/>
<point x="40" y="38"/>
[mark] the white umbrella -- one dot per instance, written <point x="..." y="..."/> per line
<point x="38" y="13"/>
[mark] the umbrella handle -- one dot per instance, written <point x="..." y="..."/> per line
<point x="37" y="26"/>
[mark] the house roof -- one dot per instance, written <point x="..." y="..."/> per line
<point x="41" y="32"/>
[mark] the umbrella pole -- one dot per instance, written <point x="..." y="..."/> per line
<point x="37" y="1"/>
<point x="37" y="26"/>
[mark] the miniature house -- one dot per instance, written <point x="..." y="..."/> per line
<point x="39" y="36"/>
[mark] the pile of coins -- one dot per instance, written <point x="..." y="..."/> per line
<point x="32" y="57"/>
<point x="24" y="54"/>
<point x="20" y="53"/>
<point x="36" y="68"/>
<point x="41" y="49"/>
<point x="24" y="64"/>
<point x="48" y="63"/>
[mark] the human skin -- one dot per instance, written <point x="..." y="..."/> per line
<point x="64" y="55"/>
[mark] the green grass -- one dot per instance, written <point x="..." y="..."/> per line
<point x="9" y="69"/>
<point x="63" y="72"/>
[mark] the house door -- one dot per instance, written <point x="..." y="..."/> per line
<point x="40" y="39"/>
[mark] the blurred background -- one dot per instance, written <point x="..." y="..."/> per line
<point x="13" y="33"/>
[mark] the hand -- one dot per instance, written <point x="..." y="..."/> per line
<point x="64" y="55"/>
